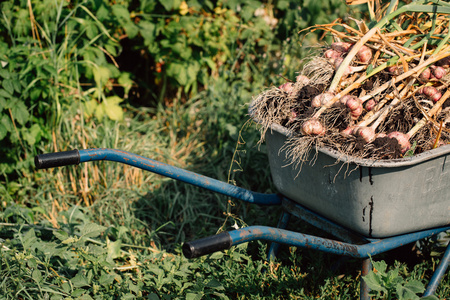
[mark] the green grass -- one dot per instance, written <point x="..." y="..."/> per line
<point x="104" y="230"/>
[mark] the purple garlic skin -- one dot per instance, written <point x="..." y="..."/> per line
<point x="425" y="75"/>
<point x="287" y="87"/>
<point x="304" y="80"/>
<point x="370" y="104"/>
<point x="313" y="127"/>
<point x="322" y="99"/>
<point x="366" y="133"/>
<point x="341" y="46"/>
<point x="438" y="72"/>
<point x="364" y="54"/>
<point x="402" y="139"/>
<point x="353" y="104"/>
<point x="431" y="92"/>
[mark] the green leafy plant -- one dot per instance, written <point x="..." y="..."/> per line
<point x="389" y="284"/>
<point x="54" y="54"/>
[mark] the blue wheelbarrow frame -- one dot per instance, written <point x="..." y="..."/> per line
<point x="347" y="243"/>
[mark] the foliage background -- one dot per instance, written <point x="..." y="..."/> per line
<point x="170" y="80"/>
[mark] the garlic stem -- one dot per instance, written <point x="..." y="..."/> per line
<point x="348" y="58"/>
<point x="393" y="104"/>
<point x="429" y="115"/>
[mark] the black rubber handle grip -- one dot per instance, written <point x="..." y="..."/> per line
<point x="57" y="159"/>
<point x="207" y="245"/>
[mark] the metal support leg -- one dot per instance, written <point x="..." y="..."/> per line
<point x="439" y="273"/>
<point x="282" y="223"/>
<point x="364" y="289"/>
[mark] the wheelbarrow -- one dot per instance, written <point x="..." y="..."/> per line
<point x="357" y="202"/>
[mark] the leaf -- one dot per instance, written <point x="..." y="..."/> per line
<point x="5" y="74"/>
<point x="411" y="150"/>
<point x="101" y="75"/>
<point x="186" y="285"/>
<point x="283" y="5"/>
<point x="393" y="278"/>
<point x="100" y="112"/>
<point x="90" y="107"/>
<point x="153" y="296"/>
<point x="5" y="94"/>
<point x="247" y="12"/>
<point x="91" y="30"/>
<point x="39" y="209"/>
<point x="214" y="284"/>
<point x="75" y="214"/>
<point x="125" y="81"/>
<point x="35" y="93"/>
<point x="178" y="71"/>
<point x="17" y="86"/>
<point x="66" y="287"/>
<point x="20" y="112"/>
<point x="211" y="64"/>
<point x="36" y="275"/>
<point x="8" y="86"/>
<point x="123" y="16"/>
<point x="415" y="286"/>
<point x="61" y="235"/>
<point x="170" y="4"/>
<point x="374" y="282"/>
<point x="6" y="121"/>
<point x="51" y="249"/>
<point x="51" y="70"/>
<point x="128" y="296"/>
<point x="404" y="293"/>
<point x="91" y="230"/>
<point x="70" y="240"/>
<point x="192" y="296"/>
<point x="121" y="12"/>
<point x="106" y="279"/>
<point x="380" y="267"/>
<point x="32" y="135"/>
<point x="233" y="130"/>
<point x="112" y="109"/>
<point x="3" y="131"/>
<point x="134" y="288"/>
<point x="32" y="263"/>
<point x="114" y="249"/>
<point x="147" y="31"/>
<point x="29" y="240"/>
<point x="216" y="255"/>
<point x="79" y="281"/>
<point x="3" y="103"/>
<point x="131" y="29"/>
<point x="78" y="293"/>
<point x="112" y="49"/>
<point x="192" y="71"/>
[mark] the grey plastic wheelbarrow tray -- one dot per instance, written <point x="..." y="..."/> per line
<point x="374" y="198"/>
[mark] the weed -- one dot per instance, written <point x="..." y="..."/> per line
<point x="389" y="284"/>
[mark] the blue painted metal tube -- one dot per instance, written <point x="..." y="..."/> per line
<point x="364" y="289"/>
<point x="438" y="273"/>
<point x="274" y="247"/>
<point x="277" y="235"/>
<point x="179" y="174"/>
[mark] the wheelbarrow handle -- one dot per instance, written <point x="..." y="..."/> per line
<point x="57" y="159"/>
<point x="225" y="240"/>
<point x="208" y="245"/>
<point x="75" y="157"/>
